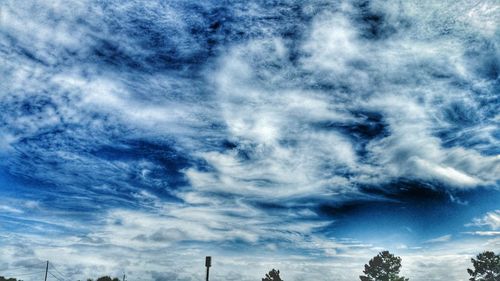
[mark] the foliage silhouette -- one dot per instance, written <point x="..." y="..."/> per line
<point x="486" y="267"/>
<point x="383" y="267"/>
<point x="273" y="275"/>
<point x="107" y="278"/>
<point x="7" y="279"/>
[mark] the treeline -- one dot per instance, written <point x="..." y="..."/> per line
<point x="385" y="267"/>
<point x="102" y="278"/>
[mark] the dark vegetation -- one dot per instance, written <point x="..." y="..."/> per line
<point x="273" y="275"/>
<point x="105" y="278"/>
<point x="383" y="267"/>
<point x="7" y="279"/>
<point x="486" y="267"/>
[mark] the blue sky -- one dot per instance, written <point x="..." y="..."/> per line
<point x="141" y="136"/>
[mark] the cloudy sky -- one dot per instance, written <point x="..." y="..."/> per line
<point x="138" y="137"/>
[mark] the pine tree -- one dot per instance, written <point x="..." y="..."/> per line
<point x="273" y="275"/>
<point x="486" y="267"/>
<point x="383" y="267"/>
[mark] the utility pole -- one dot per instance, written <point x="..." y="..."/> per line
<point x="46" y="270"/>
<point x="208" y="264"/>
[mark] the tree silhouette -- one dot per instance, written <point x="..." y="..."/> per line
<point x="383" y="267"/>
<point x="486" y="267"/>
<point x="273" y="275"/>
<point x="107" y="278"/>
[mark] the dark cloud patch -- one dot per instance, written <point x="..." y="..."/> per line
<point x="462" y="114"/>
<point x="482" y="55"/>
<point x="162" y="235"/>
<point x="109" y="52"/>
<point x="423" y="209"/>
<point x="170" y="162"/>
<point x="367" y="126"/>
<point x="150" y="38"/>
<point x="123" y="168"/>
<point x="374" y="24"/>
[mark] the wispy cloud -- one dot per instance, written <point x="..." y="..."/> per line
<point x="440" y="239"/>
<point x="146" y="135"/>
<point x="490" y="220"/>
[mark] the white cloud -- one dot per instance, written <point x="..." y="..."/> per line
<point x="341" y="260"/>
<point x="440" y="239"/>
<point x="491" y="220"/>
<point x="484" y="233"/>
<point x="10" y="209"/>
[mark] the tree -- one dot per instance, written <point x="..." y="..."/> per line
<point x="273" y="275"/>
<point x="486" y="267"/>
<point x="383" y="267"/>
<point x="107" y="278"/>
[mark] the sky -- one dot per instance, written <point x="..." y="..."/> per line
<point x="138" y="137"/>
